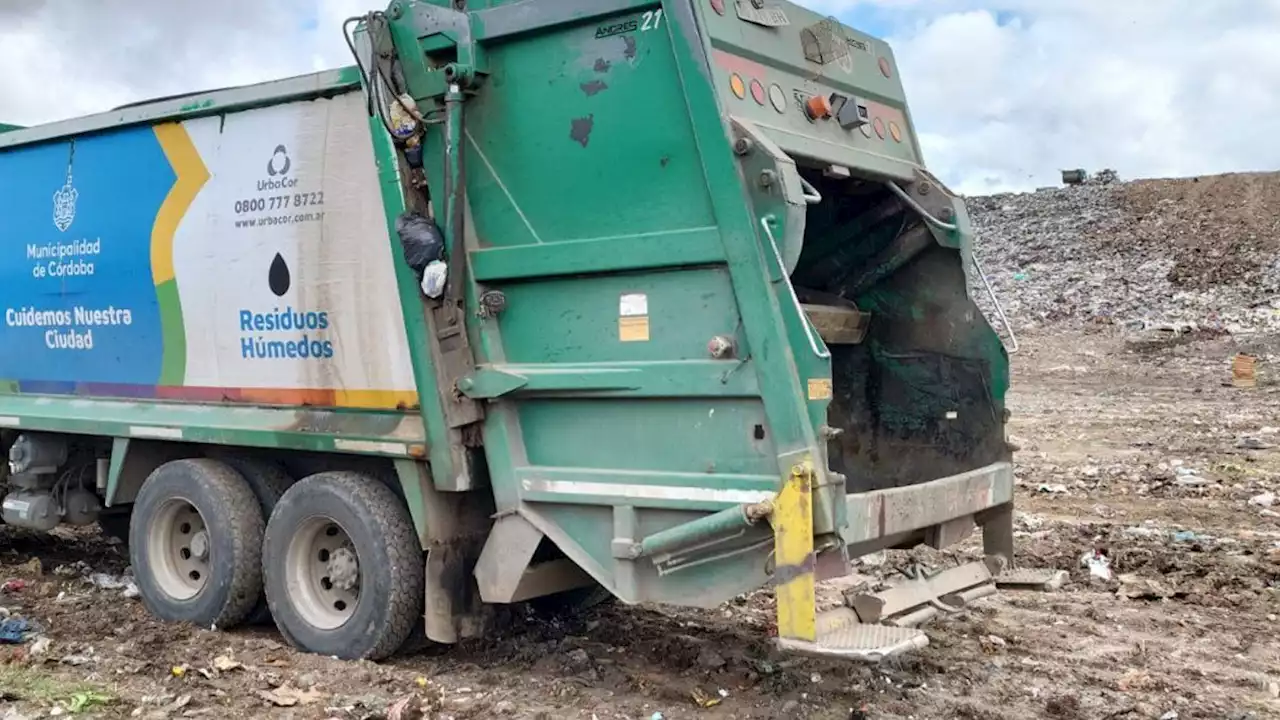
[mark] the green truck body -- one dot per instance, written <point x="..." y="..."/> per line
<point x="705" y="327"/>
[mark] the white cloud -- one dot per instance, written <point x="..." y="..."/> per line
<point x="1005" y="93"/>
<point x="62" y="64"/>
<point x="1150" y="88"/>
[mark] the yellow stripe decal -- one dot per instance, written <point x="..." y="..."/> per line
<point x="191" y="176"/>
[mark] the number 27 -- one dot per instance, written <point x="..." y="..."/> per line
<point x="652" y="19"/>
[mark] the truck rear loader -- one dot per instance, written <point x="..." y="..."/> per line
<point x="536" y="299"/>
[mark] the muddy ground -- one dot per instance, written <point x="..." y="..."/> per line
<point x="1141" y="452"/>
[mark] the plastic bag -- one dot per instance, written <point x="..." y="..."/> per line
<point x="434" y="278"/>
<point x="421" y="239"/>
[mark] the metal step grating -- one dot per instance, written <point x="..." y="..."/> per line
<point x="840" y="635"/>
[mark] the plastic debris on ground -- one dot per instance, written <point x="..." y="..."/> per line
<point x="13" y="586"/>
<point x="1099" y="564"/>
<point x="1265" y="499"/>
<point x="110" y="582"/>
<point x="14" y="631"/>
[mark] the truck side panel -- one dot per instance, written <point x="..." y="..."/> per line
<point x="239" y="258"/>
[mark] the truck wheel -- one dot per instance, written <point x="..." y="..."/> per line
<point x="343" y="567"/>
<point x="268" y="483"/>
<point x="195" y="542"/>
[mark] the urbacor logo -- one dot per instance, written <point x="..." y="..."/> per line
<point x="277" y="170"/>
<point x="279" y="162"/>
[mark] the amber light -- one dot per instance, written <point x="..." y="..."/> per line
<point x="895" y="131"/>
<point x="818" y="107"/>
<point x="735" y="84"/>
<point x="757" y="91"/>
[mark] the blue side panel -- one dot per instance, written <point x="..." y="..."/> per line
<point x="76" y="290"/>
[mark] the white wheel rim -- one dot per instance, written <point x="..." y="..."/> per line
<point x="322" y="573"/>
<point x="178" y="549"/>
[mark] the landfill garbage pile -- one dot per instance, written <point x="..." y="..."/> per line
<point x="1176" y="255"/>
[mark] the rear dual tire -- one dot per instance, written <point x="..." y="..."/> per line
<point x="195" y="542"/>
<point x="344" y="573"/>
<point x="344" y="570"/>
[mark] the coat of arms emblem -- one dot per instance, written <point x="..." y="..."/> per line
<point x="64" y="204"/>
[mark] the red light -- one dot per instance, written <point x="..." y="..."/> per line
<point x="885" y="68"/>
<point x="757" y="91"/>
<point x="718" y="6"/>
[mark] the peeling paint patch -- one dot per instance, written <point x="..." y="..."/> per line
<point x="593" y="87"/>
<point x="580" y="131"/>
<point x="602" y="65"/>
<point x="158" y="433"/>
<point x="6" y="421"/>
<point x="630" y="52"/>
<point x="663" y="162"/>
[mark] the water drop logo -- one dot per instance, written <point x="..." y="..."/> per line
<point x="279" y="162"/>
<point x="278" y="276"/>
<point x="64" y="204"/>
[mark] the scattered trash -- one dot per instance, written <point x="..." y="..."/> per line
<point x="1171" y="715"/>
<point x="1098" y="562"/>
<point x="1142" y="532"/>
<point x="287" y="696"/>
<point x="1243" y="375"/>
<point x="400" y="709"/>
<point x="39" y="647"/>
<point x="1265" y="500"/>
<point x="13" y="586"/>
<point x="76" y="660"/>
<point x="104" y="581"/>
<point x="1185" y="536"/>
<point x="704" y="700"/>
<point x="179" y="671"/>
<point x="222" y="663"/>
<point x="1055" y="489"/>
<point x="656" y="716"/>
<point x="992" y="643"/>
<point x="14" y="630"/>
<point x="1252" y="443"/>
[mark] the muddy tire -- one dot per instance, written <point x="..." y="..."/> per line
<point x="268" y="483"/>
<point x="195" y="542"/>
<point x="344" y="568"/>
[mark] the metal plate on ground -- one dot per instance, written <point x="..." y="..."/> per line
<point x="1031" y="579"/>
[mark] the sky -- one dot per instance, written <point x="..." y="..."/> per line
<point x="1004" y="93"/>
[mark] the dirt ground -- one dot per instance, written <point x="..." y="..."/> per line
<point x="1139" y="452"/>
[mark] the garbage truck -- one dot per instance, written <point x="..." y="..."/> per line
<point x="536" y="299"/>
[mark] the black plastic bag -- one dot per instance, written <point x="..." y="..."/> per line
<point x="421" y="239"/>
